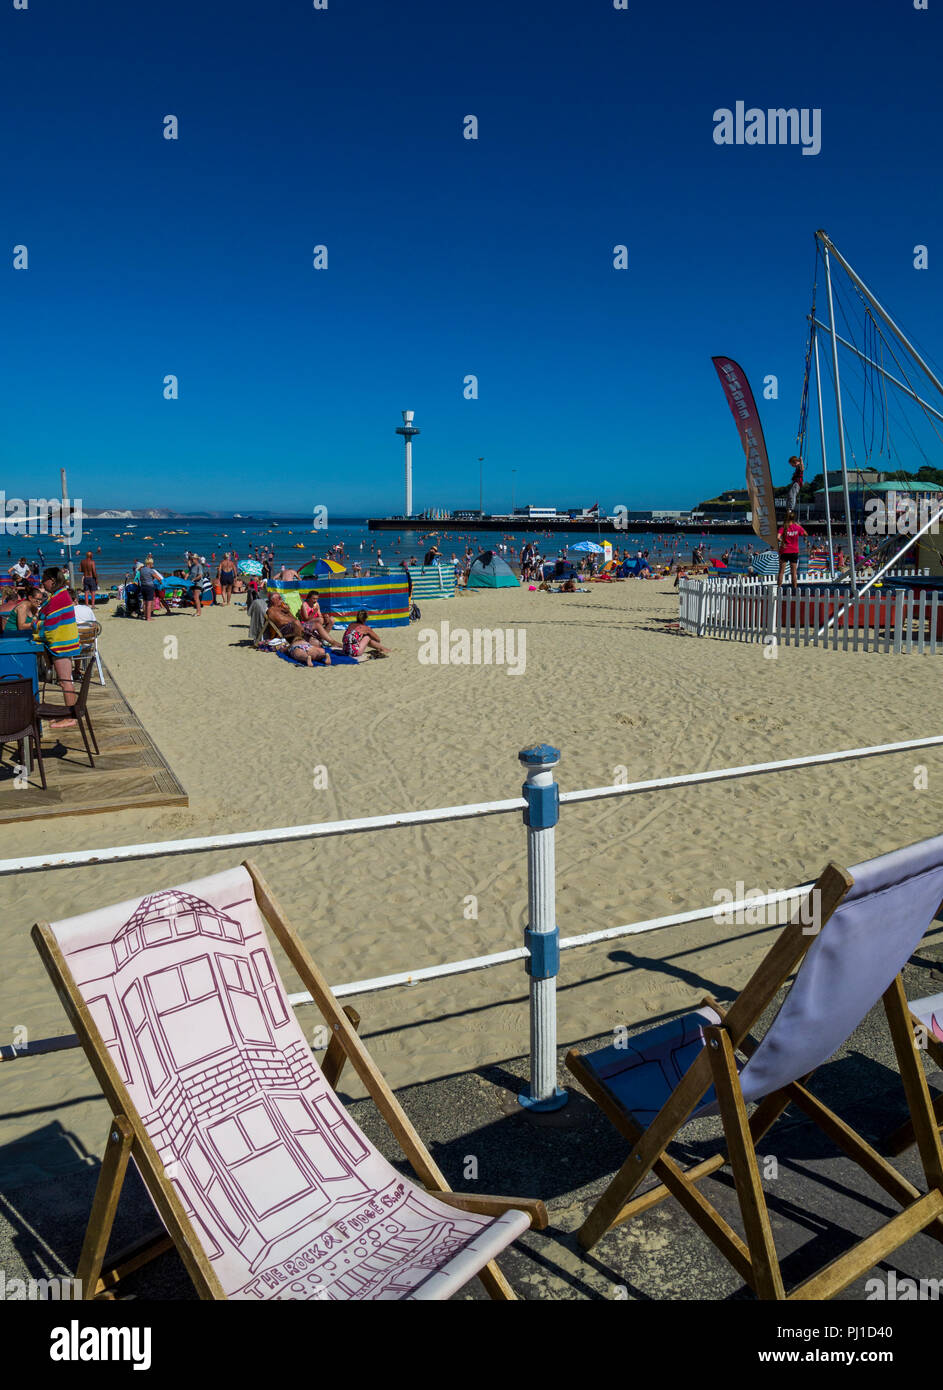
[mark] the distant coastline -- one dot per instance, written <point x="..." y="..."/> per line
<point x="604" y="526"/>
<point x="165" y="514"/>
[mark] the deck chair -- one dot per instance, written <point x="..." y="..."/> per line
<point x="270" y="632"/>
<point x="926" y="1019"/>
<point x="848" y="941"/>
<point x="263" y="1183"/>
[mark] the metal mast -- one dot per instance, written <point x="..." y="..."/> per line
<point x="828" y="505"/>
<point x="841" y="422"/>
<point x="828" y="246"/>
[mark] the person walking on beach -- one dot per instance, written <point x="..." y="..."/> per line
<point x="148" y="578"/>
<point x="789" y="549"/>
<point x="195" y="580"/>
<point x="226" y="574"/>
<point x="89" y="577"/>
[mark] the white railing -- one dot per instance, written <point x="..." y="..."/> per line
<point x="540" y="803"/>
<point x="888" y="620"/>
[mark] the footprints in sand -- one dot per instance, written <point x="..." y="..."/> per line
<point x="763" y="723"/>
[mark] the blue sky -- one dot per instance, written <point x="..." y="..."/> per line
<point x="446" y="256"/>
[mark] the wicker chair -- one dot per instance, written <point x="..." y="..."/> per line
<point x="88" y="636"/>
<point x="19" y="717"/>
<point x="78" y="711"/>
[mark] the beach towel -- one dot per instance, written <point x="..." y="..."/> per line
<point x="257" y="611"/>
<point x="57" y="626"/>
<point x="337" y="659"/>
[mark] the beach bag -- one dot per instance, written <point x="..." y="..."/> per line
<point x="414" y="613"/>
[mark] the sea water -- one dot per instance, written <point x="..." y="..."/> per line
<point x="117" y="545"/>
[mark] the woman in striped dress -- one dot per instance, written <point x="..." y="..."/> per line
<point x="59" y="634"/>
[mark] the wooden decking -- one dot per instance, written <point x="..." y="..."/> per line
<point x="130" y="771"/>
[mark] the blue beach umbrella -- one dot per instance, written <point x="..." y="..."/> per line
<point x="250" y="567"/>
<point x="590" y="547"/>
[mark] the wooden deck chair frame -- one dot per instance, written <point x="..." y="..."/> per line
<point x="903" y="1137"/>
<point x="268" y="627"/>
<point x="127" y="1136"/>
<point x="755" y="1259"/>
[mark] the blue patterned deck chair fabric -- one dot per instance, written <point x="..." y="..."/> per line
<point x="766" y="563"/>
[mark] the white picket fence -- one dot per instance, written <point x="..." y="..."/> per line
<point x="755" y="610"/>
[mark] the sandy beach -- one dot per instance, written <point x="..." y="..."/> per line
<point x="254" y="741"/>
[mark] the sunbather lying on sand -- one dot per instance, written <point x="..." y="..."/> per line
<point x="309" y="652"/>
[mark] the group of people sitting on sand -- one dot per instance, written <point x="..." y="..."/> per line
<point x="50" y="614"/>
<point x="310" y="636"/>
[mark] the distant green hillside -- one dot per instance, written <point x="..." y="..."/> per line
<point x="739" y="500"/>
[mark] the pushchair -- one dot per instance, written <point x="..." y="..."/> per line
<point x="133" y="603"/>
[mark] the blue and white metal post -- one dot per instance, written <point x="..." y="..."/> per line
<point x="541" y="936"/>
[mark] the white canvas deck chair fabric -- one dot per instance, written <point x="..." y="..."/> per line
<point x="849" y="938"/>
<point x="263" y="1183"/>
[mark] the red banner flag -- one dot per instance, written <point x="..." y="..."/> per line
<point x="759" y="483"/>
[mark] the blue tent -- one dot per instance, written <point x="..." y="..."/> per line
<point x="489" y="571"/>
<point x="634" y="567"/>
